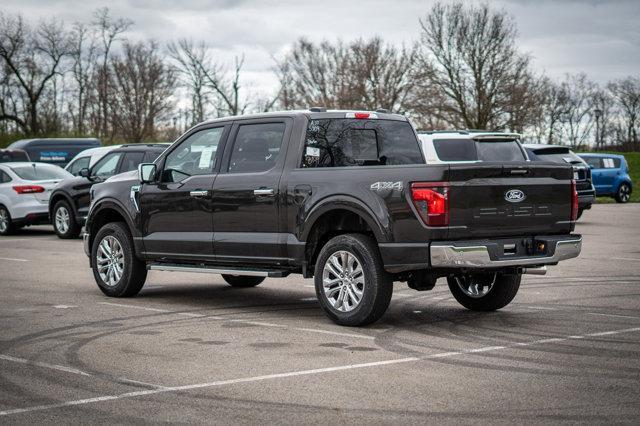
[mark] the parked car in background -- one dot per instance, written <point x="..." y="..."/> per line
<point x="58" y="151"/>
<point x="69" y="202"/>
<point x="25" y="189"/>
<point x="610" y="174"/>
<point x="13" y="155"/>
<point x="87" y="158"/>
<point x="581" y="171"/>
<point x="463" y="146"/>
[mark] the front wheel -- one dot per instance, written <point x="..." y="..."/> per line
<point x="624" y="193"/>
<point x="351" y="284"/>
<point x="484" y="292"/>
<point x="64" y="221"/>
<point x="116" y="269"/>
<point x="242" y="281"/>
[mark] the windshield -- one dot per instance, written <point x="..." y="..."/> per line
<point x="484" y="150"/>
<point x="40" y="172"/>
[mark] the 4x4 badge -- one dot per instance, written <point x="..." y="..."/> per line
<point x="514" y="196"/>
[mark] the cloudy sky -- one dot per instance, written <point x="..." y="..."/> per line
<point x="601" y="38"/>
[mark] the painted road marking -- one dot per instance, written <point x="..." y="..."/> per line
<point x="13" y="260"/>
<point x="612" y="315"/>
<point x="43" y="365"/>
<point x="633" y="259"/>
<point x="306" y="372"/>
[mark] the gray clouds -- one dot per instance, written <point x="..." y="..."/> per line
<point x="601" y="38"/>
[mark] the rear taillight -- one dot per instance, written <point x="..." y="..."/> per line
<point x="28" y="189"/>
<point x="574" y="201"/>
<point x="431" y="200"/>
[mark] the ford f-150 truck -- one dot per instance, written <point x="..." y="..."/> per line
<point x="344" y="197"/>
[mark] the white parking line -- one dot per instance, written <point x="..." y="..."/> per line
<point x="307" y="372"/>
<point x="612" y="315"/>
<point x="633" y="259"/>
<point x="13" y="260"/>
<point x="43" y="365"/>
<point x="9" y="240"/>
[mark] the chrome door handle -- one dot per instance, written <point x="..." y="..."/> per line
<point x="199" y="193"/>
<point x="263" y="191"/>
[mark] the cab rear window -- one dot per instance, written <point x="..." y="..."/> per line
<point x="482" y="150"/>
<point x="356" y="142"/>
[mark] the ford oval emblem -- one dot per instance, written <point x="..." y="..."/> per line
<point x="514" y="196"/>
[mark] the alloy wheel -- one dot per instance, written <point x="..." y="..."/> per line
<point x="4" y="220"/>
<point x="343" y="281"/>
<point x="623" y="193"/>
<point x="62" y="219"/>
<point x="110" y="260"/>
<point x="476" y="286"/>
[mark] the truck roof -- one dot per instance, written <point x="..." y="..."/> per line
<point x="314" y="114"/>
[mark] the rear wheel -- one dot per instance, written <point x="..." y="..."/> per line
<point x="6" y="225"/>
<point x="64" y="221"/>
<point x="580" y="211"/>
<point x="242" y="281"/>
<point x="484" y="292"/>
<point x="116" y="269"/>
<point x="351" y="284"/>
<point x="624" y="193"/>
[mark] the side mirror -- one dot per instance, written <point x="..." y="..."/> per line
<point x="147" y="173"/>
<point x="591" y="166"/>
<point x="84" y="173"/>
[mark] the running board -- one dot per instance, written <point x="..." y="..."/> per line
<point x="271" y="273"/>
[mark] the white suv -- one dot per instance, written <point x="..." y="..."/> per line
<point x="470" y="146"/>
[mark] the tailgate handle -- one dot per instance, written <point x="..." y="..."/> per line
<point x="519" y="171"/>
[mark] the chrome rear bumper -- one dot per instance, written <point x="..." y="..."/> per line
<point x="467" y="254"/>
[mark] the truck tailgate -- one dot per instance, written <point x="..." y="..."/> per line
<point x="492" y="200"/>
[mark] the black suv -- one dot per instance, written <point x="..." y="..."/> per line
<point x="581" y="170"/>
<point x="69" y="202"/>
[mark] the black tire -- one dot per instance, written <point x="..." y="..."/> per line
<point x="504" y="289"/>
<point x="134" y="271"/>
<point x="377" y="286"/>
<point x="580" y="211"/>
<point x="73" y="229"/>
<point x="623" y="194"/>
<point x="7" y="227"/>
<point x="242" y="281"/>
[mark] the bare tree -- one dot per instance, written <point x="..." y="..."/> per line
<point x="110" y="30"/>
<point x="192" y="61"/>
<point x="577" y="117"/>
<point x="626" y="93"/>
<point x="32" y="58"/>
<point x="84" y="56"/>
<point x="362" y="74"/>
<point x="476" y="65"/>
<point x="139" y="91"/>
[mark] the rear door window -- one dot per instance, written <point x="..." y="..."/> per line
<point x="256" y="147"/>
<point x="611" y="163"/>
<point x="4" y="177"/>
<point x="353" y="142"/>
<point x="150" y="156"/>
<point x="594" y="162"/>
<point x="131" y="161"/>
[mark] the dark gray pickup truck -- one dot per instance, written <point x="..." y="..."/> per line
<point x="341" y="196"/>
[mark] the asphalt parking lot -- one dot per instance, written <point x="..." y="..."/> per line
<point x="192" y="349"/>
